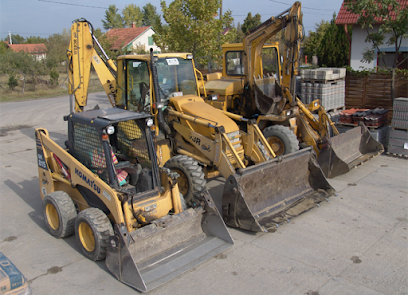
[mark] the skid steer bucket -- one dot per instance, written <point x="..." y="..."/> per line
<point x="345" y="151"/>
<point x="157" y="253"/>
<point x="264" y="195"/>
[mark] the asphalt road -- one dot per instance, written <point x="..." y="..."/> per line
<point x="354" y="244"/>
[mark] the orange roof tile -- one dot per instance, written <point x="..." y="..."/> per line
<point x="125" y="36"/>
<point x="348" y="18"/>
<point x="29" y="48"/>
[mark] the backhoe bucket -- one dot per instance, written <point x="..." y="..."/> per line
<point x="264" y="195"/>
<point x="345" y="151"/>
<point x="157" y="253"/>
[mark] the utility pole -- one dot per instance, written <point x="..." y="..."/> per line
<point x="11" y="42"/>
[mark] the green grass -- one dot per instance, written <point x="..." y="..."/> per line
<point x="41" y="90"/>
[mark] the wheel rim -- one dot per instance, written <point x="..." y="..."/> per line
<point x="52" y="216"/>
<point x="277" y="145"/>
<point x="182" y="182"/>
<point x="86" y="236"/>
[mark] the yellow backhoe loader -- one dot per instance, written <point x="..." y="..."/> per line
<point x="255" y="85"/>
<point x="106" y="187"/>
<point x="197" y="140"/>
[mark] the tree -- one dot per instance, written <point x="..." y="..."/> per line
<point x="150" y="16"/>
<point x="3" y="47"/>
<point x="132" y="14"/>
<point x="57" y="45"/>
<point x="314" y="38"/>
<point x="194" y="26"/>
<point x="15" y="39"/>
<point x="334" y="47"/>
<point x="113" y="19"/>
<point x="386" y="23"/>
<point x="21" y="63"/>
<point x="35" y="40"/>
<point x="251" y="22"/>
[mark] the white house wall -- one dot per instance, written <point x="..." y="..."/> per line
<point x="143" y="40"/>
<point x="358" y="46"/>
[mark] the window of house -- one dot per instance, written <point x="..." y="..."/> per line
<point x="387" y="60"/>
<point x="150" y="41"/>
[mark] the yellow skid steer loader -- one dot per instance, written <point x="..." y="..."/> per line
<point x="194" y="139"/>
<point x="106" y="187"/>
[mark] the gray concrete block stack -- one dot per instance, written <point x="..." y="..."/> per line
<point x="326" y="84"/>
<point x="398" y="135"/>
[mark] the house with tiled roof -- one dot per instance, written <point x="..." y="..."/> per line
<point x="131" y="39"/>
<point x="358" y="43"/>
<point x="39" y="51"/>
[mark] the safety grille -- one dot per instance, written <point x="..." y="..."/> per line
<point x="132" y="143"/>
<point x="87" y="148"/>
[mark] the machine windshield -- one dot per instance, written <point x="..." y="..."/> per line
<point x="176" y="77"/>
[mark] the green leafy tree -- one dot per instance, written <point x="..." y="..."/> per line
<point x="3" y="47"/>
<point x="57" y="45"/>
<point x="334" y="47"/>
<point x="150" y="16"/>
<point x="15" y="38"/>
<point x="21" y="63"/>
<point x="12" y="82"/>
<point x="113" y="19"/>
<point x="132" y="14"/>
<point x="251" y="22"/>
<point x="386" y="23"/>
<point x="314" y="38"/>
<point x="194" y="26"/>
<point x="35" y="40"/>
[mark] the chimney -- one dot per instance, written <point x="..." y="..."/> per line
<point x="134" y="25"/>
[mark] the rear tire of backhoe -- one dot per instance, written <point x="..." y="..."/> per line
<point x="59" y="214"/>
<point x="92" y="231"/>
<point x="281" y="139"/>
<point x="191" y="180"/>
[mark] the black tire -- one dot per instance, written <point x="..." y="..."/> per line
<point x="59" y="214"/>
<point x="191" y="180"/>
<point x="281" y="139"/>
<point x="92" y="231"/>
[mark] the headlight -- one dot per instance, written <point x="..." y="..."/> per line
<point x="189" y="56"/>
<point x="149" y="122"/>
<point x="110" y="130"/>
<point x="316" y="103"/>
<point x="288" y="113"/>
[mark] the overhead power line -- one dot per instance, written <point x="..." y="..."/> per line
<point x="73" y="4"/>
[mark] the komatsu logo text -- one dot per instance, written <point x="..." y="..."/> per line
<point x="90" y="182"/>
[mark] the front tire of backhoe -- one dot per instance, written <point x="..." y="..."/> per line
<point x="92" y="231"/>
<point x="281" y="139"/>
<point x="191" y="180"/>
<point x="59" y="214"/>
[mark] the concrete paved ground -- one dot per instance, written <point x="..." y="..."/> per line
<point x="354" y="244"/>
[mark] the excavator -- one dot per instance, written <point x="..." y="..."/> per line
<point x="199" y="141"/>
<point x="255" y="84"/>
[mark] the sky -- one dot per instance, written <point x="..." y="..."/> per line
<point x="47" y="17"/>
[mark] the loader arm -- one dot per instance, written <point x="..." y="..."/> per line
<point x="290" y="21"/>
<point x="84" y="50"/>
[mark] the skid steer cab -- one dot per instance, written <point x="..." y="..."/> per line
<point x="107" y="188"/>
